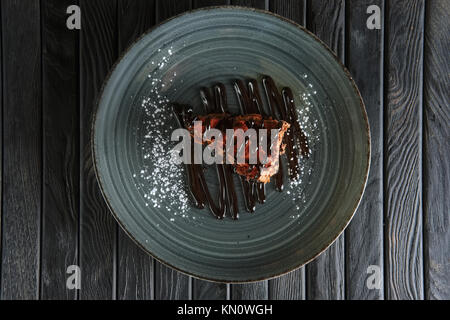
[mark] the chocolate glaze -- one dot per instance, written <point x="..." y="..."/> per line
<point x="277" y="111"/>
<point x="219" y="104"/>
<point x="298" y="134"/>
<point x="196" y="178"/>
<point x="283" y="108"/>
<point x="250" y="102"/>
<point x="183" y="114"/>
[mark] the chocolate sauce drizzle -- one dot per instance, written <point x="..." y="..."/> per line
<point x="281" y="107"/>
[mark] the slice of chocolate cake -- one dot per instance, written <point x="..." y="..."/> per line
<point x="266" y="156"/>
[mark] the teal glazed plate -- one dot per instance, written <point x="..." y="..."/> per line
<point x="147" y="193"/>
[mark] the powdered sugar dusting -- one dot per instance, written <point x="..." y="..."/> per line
<point x="295" y="189"/>
<point x="160" y="179"/>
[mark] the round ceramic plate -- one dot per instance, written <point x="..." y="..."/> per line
<point x="148" y="194"/>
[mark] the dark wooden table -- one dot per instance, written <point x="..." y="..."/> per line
<point x="53" y="215"/>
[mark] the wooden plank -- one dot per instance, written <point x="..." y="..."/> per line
<point x="291" y="9"/>
<point x="135" y="18"/>
<point x="22" y="149"/>
<point x="403" y="149"/>
<point x="171" y="284"/>
<point x="364" y="236"/>
<point x="169" y="8"/>
<point x="326" y="274"/>
<point x="250" y="291"/>
<point x="135" y="269"/>
<point x="207" y="3"/>
<point x="60" y="71"/>
<point x="205" y="290"/>
<point x="436" y="150"/>
<point x="257" y="290"/>
<point x="260" y="4"/>
<point x="98" y="230"/>
<point x="293" y="285"/>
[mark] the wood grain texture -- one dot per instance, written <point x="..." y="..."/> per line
<point x="293" y="285"/>
<point x="326" y="19"/>
<point x="364" y="235"/>
<point x="169" y="8"/>
<point x="171" y="284"/>
<point x="205" y="290"/>
<point x="257" y="290"/>
<point x="98" y="230"/>
<point x="22" y="153"/>
<point x="291" y="9"/>
<point x="206" y="3"/>
<point x="326" y="274"/>
<point x="135" y="271"/>
<point x="135" y="267"/>
<point x="437" y="150"/>
<point x="260" y="4"/>
<point x="403" y="150"/>
<point x="251" y="291"/>
<point x="60" y="71"/>
<point x="135" y="18"/>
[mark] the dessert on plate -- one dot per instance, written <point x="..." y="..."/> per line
<point x="255" y="164"/>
